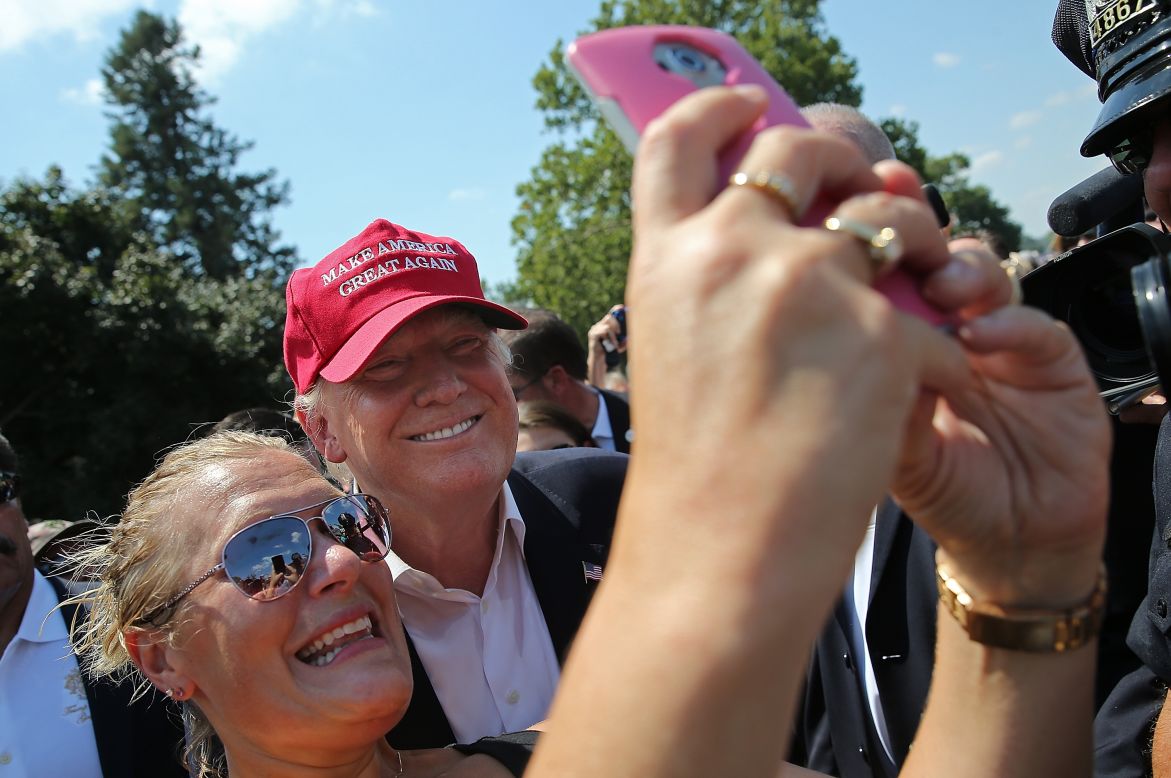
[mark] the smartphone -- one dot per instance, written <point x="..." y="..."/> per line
<point x="633" y="74"/>
<point x="613" y="356"/>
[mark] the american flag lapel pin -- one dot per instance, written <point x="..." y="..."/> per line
<point x="591" y="571"/>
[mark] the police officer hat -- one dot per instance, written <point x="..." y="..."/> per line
<point x="1126" y="46"/>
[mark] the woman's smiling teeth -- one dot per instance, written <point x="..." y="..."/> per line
<point x="447" y="432"/>
<point x="323" y="650"/>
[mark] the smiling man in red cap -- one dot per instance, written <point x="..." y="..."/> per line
<point x="400" y="374"/>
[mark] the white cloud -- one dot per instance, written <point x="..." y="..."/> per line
<point x="1025" y="119"/>
<point x="898" y="109"/>
<point x="988" y="159"/>
<point x="945" y="59"/>
<point x="363" y="9"/>
<point x="89" y="94"/>
<point x="1023" y="142"/>
<point x="1061" y="98"/>
<point x="26" y="21"/>
<point x="457" y="195"/>
<point x="223" y="27"/>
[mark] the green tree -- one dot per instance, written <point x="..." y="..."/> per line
<point x="141" y="306"/>
<point x="972" y="206"/>
<point x="175" y="168"/>
<point x="573" y="226"/>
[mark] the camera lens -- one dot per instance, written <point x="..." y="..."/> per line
<point x="1105" y="318"/>
<point x="1124" y="325"/>
<point x="1150" y="281"/>
<point x="687" y="59"/>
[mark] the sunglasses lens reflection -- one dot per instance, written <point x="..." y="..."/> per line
<point x="266" y="560"/>
<point x="360" y="524"/>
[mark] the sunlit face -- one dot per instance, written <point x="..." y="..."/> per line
<point x="256" y="666"/>
<point x="429" y="417"/>
<point x="1157" y="176"/>
<point x="16" y="561"/>
<point x="543" y="439"/>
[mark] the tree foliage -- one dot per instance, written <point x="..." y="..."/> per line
<point x="122" y="333"/>
<point x="175" y="168"/>
<point x="972" y="206"/>
<point x="573" y="226"/>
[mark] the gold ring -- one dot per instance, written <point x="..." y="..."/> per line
<point x="1011" y="269"/>
<point x="778" y="187"/>
<point x="883" y="244"/>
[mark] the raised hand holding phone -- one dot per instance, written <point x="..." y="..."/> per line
<point x="633" y="74"/>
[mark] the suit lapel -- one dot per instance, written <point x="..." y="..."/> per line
<point x="424" y="725"/>
<point x="108" y="711"/>
<point x="619" y="412"/>
<point x="554" y="557"/>
<point x="900" y="625"/>
<point x="885" y="530"/>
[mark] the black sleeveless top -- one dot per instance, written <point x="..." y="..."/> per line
<point x="511" y="749"/>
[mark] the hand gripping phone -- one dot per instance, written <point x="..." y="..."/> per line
<point x="634" y="74"/>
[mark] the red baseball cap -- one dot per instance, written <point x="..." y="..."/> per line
<point x="343" y="308"/>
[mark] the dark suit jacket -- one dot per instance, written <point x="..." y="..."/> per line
<point x="569" y="500"/>
<point x="141" y="738"/>
<point x="618" y="408"/>
<point x="1123" y="726"/>
<point x="837" y="730"/>
<point x="837" y="734"/>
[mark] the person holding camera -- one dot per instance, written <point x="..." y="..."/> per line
<point x="549" y="363"/>
<point x="606" y="343"/>
<point x="1122" y="45"/>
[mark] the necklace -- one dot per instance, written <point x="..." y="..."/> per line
<point x="399" y="754"/>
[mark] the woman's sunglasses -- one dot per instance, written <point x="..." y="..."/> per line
<point x="267" y="560"/>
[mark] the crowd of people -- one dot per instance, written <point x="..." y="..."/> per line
<point x="845" y="541"/>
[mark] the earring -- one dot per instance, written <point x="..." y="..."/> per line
<point x="170" y="692"/>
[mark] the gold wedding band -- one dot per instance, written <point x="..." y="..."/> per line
<point x="883" y="244"/>
<point x="1012" y="269"/>
<point x="779" y="188"/>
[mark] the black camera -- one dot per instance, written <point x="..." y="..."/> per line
<point x="1113" y="294"/>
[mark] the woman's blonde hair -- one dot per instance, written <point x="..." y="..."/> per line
<point x="138" y="568"/>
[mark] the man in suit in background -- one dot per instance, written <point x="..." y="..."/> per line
<point x="549" y="363"/>
<point x="400" y="374"/>
<point x="53" y="719"/>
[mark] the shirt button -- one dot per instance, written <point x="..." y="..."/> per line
<point x="513" y="697"/>
<point x="5" y="758"/>
<point x="483" y="607"/>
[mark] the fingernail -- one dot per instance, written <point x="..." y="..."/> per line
<point x="753" y="92"/>
<point x="944" y="282"/>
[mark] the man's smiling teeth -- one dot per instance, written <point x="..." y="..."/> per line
<point x="447" y="432"/>
<point x="341" y="636"/>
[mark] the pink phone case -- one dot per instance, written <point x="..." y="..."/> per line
<point x="617" y="68"/>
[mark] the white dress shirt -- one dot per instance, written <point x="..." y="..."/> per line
<point x="603" y="431"/>
<point x="44" y="714"/>
<point x="860" y="593"/>
<point x="490" y="658"/>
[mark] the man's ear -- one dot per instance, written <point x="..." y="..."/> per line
<point x="318" y="429"/>
<point x="556" y="380"/>
<point x="155" y="657"/>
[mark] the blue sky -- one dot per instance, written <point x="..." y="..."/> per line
<point x="422" y="111"/>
